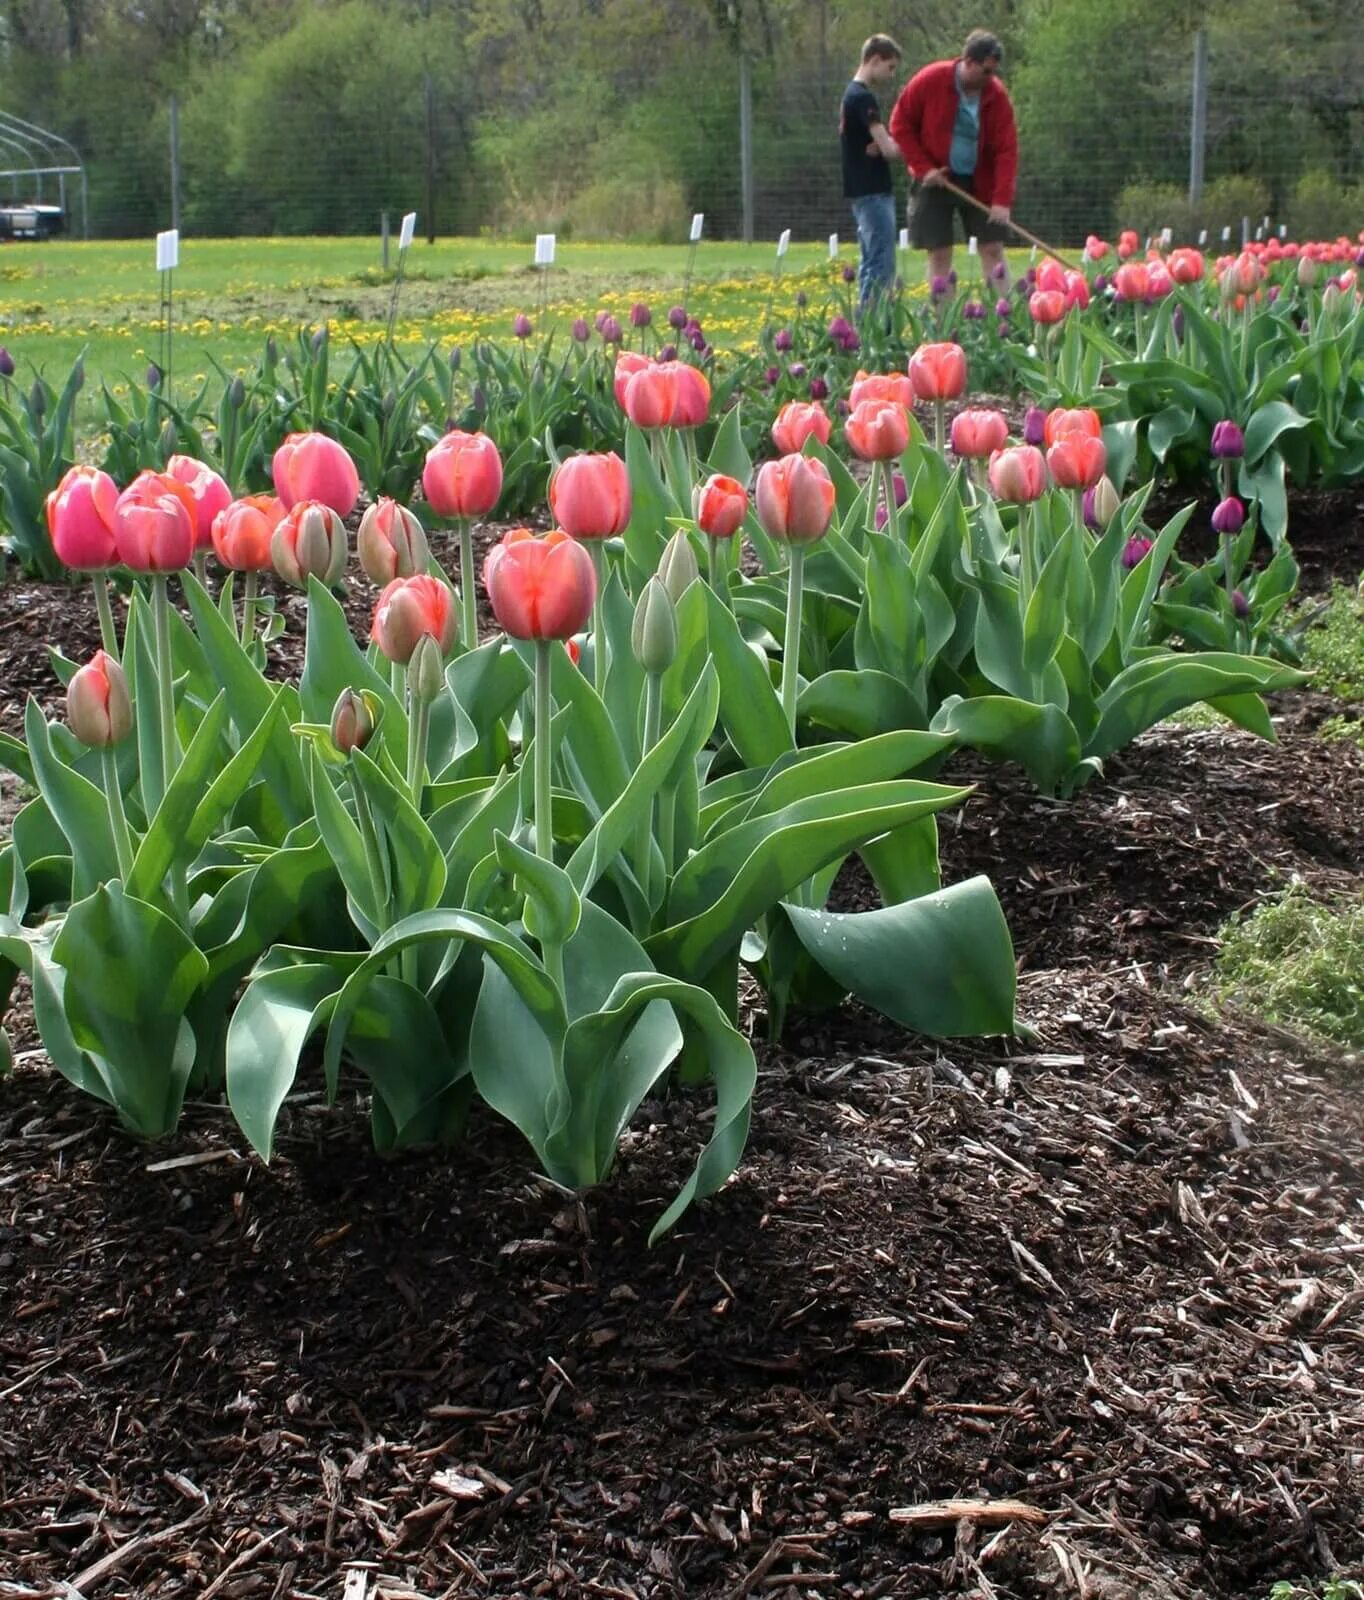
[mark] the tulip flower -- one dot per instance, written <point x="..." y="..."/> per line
<point x="99" y="711"/>
<point x="1076" y="290"/>
<point x="1018" y="474"/>
<point x="1228" y="442"/>
<point x="1229" y="515"/>
<point x="1132" y="280"/>
<point x="1127" y="244"/>
<point x="1308" y="272"/>
<point x="795" y="503"/>
<point x="1186" y="265"/>
<point x="677" y="566"/>
<point x="242" y="531"/>
<point x="310" y="466"/>
<point x="354" y="719"/>
<point x="877" y="430"/>
<point x="978" y="433"/>
<point x="82" y="525"/>
<point x="648" y="394"/>
<point x="154" y="524"/>
<point x="407" y="610"/>
<point x="1051" y="276"/>
<point x="1077" y="461"/>
<point x="391" y="543"/>
<point x="1061" y="421"/>
<point x="796" y="421"/>
<point x="309" y="542"/>
<point x="628" y="363"/>
<point x="462" y="481"/>
<point x="1246" y="273"/>
<point x="1159" y="281"/>
<point x="1095" y="248"/>
<point x="522" y="326"/>
<point x="894" y="386"/>
<point x="6" y="363"/>
<point x="1034" y="426"/>
<point x="1135" y="551"/>
<point x="590" y="496"/>
<point x="610" y="330"/>
<point x="210" y="494"/>
<point x="1101" y="504"/>
<point x="720" y="505"/>
<point x="938" y="371"/>
<point x="653" y="639"/>
<point x="1047" y="306"/>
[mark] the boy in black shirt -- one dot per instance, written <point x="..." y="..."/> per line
<point x="869" y="153"/>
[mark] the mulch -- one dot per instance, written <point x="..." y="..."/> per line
<point x="1110" y="1270"/>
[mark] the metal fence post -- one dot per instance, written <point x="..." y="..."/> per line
<point x="1198" y="130"/>
<point x="175" y="160"/>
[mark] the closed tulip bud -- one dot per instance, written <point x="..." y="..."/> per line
<point x="772" y="376"/>
<point x="242" y="533"/>
<point x="611" y="331"/>
<point x="653" y="633"/>
<point x="782" y="341"/>
<point x="1247" y="273"/>
<point x="1018" y="474"/>
<point x="877" y="430"/>
<point x="1332" y="299"/>
<point x="1135" y="551"/>
<point x="796" y="421"/>
<point x="1061" y="421"/>
<point x="1239" y="604"/>
<point x="795" y="499"/>
<point x="640" y="315"/>
<point x="978" y="433"/>
<point x="522" y="327"/>
<point x="590" y="496"/>
<point x="719" y="506"/>
<point x="1034" y="426"/>
<point x="1228" y="442"/>
<point x="581" y="331"/>
<point x="1103" y="502"/>
<point x="310" y="542"/>
<point x="540" y="588"/>
<point x="426" y="670"/>
<point x="310" y="466"/>
<point x="819" y="390"/>
<point x="456" y="358"/>
<point x="391" y="543"/>
<point x="677" y="318"/>
<point x="318" y="341"/>
<point x="462" y="475"/>
<point x="271" y="351"/>
<point x="99" y="709"/>
<point x="797" y="370"/>
<point x="938" y="371"/>
<point x="153" y="375"/>
<point x="668" y="353"/>
<point x="353" y="721"/>
<point x="677" y="567"/>
<point x="1229" y="515"/>
<point x="389" y="403"/>
<point x="6" y="363"/>
<point x="236" y="394"/>
<point x="82" y="516"/>
<point x="409" y="610"/>
<point x="37" y="399"/>
<point x="167" y="439"/>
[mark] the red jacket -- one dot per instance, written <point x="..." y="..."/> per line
<point x="923" y="118"/>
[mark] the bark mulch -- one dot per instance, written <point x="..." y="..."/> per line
<point x="1075" y="1314"/>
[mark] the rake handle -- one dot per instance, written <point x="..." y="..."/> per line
<point x="1018" y="228"/>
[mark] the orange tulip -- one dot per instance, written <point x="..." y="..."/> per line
<point x="590" y="496"/>
<point x="879" y="386"/>
<point x="540" y="588"/>
<point x="977" y="433"/>
<point x="310" y="466"/>
<point x="938" y="371"/>
<point x="878" y="430"/>
<point x="1077" y="461"/>
<point x="720" y="505"/>
<point x="154" y="524"/>
<point x="408" y="610"/>
<point x="242" y="531"/>
<point x="210" y="494"/>
<point x="81" y="520"/>
<point x="1060" y="422"/>
<point x="1018" y="474"/>
<point x="462" y="477"/>
<point x="798" y="419"/>
<point x="795" y="499"/>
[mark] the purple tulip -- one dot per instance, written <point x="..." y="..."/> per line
<point x="952" y="277"/>
<point x="1135" y="551"/>
<point x="456" y="357"/>
<point x="881" y="517"/>
<point x="772" y="376"/>
<point x="851" y="343"/>
<point x="1177" y="323"/>
<point x="6" y="363"/>
<point x="939" y="286"/>
<point x="839" y="329"/>
<point x="691" y="326"/>
<point x="1022" y="288"/>
<point x="973" y="310"/>
<point x="1359" y="260"/>
<point x="677" y="317"/>
<point x="1087" y="511"/>
<point x="999" y="272"/>
<point x="783" y="340"/>
<point x="1239" y="604"/>
<point x="1002" y="309"/>
<point x="599" y="321"/>
<point x="1035" y="426"/>
<point x="640" y="315"/>
<point x="1229" y="515"/>
<point x="153" y="375"/>
<point x="611" y="332"/>
<point x="697" y="340"/>
<point x="796" y="370"/>
<point x="1228" y="442"/>
<point x="849" y="274"/>
<point x="1273" y="294"/>
<point x="901" y="488"/>
<point x="1100" y="283"/>
<point x="581" y="332"/>
<point x="843" y="408"/>
<point x="819" y="390"/>
<point x="668" y="353"/>
<point x="523" y="327"/>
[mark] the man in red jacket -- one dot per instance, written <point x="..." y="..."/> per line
<point x="954" y="119"/>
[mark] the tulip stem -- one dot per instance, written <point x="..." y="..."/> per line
<point x="468" y="597"/>
<point x="379" y="885"/>
<point x="644" y="829"/>
<point x="790" y="659"/>
<point x="118" y="817"/>
<point x="940" y="425"/>
<point x="544" y="792"/>
<point x="598" y="554"/>
<point x="888" y="491"/>
<point x="1226" y="570"/>
<point x="108" y="633"/>
<point x="201" y="566"/>
<point x="249" y="610"/>
<point x="165" y="684"/>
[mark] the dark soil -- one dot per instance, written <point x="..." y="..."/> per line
<point x="1112" y="1270"/>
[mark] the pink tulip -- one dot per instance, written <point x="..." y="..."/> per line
<point x="462" y="478"/>
<point x="590" y="496"/>
<point x="878" y="430"/>
<point x="795" y="499"/>
<point x="408" y="610"/>
<point x="81" y="520"/>
<point x="977" y="433"/>
<point x="154" y="524"/>
<point x="242" y="532"/>
<point x="1018" y="474"/>
<point x="211" y="495"/>
<point x="540" y="588"/>
<point x="938" y="371"/>
<point x="796" y="421"/>
<point x="310" y="466"/>
<point x="99" y="709"/>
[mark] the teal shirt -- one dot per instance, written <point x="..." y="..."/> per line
<point x="965" y="134"/>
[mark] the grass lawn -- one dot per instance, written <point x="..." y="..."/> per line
<point x="60" y="297"/>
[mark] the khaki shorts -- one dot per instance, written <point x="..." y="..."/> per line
<point x="930" y="218"/>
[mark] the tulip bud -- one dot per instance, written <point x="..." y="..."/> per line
<point x="1229" y="516"/>
<point x="98" y="707"/>
<point x="236" y="394"/>
<point x="611" y="331"/>
<point x="1034" y="425"/>
<point x="677" y="568"/>
<point x="1228" y="442"/>
<point x="389" y="404"/>
<point x="456" y="357"/>
<point x="1307" y="271"/>
<point x="391" y="543"/>
<point x="271" y="351"/>
<point x="1239" y="604"/>
<point x="1332" y="298"/>
<point x="783" y="340"/>
<point x="37" y="398"/>
<point x="153" y="375"/>
<point x="640" y="315"/>
<point x="677" y="317"/>
<point x="317" y="341"/>
<point x="6" y="363"/>
<point x="653" y="634"/>
<point x="169" y="439"/>
<point x="581" y="331"/>
<point x="819" y="390"/>
<point x="309" y="542"/>
<point x="522" y="327"/>
<point x="426" y="670"/>
<point x="1104" y="502"/>
<point x="1135" y="551"/>
<point x="353" y="721"/>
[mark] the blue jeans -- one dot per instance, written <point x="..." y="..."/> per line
<point x="875" y="218"/>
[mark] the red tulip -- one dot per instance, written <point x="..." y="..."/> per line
<point x="1133" y="281"/>
<point x="692" y="387"/>
<point x="1096" y="248"/>
<point x="540" y="588"/>
<point x="211" y="495"/>
<point x="1051" y="275"/>
<point x="894" y="386"/>
<point x="1185" y="265"/>
<point x="795" y="499"/>
<point x="878" y="430"/>
<point x="462" y="478"/>
<point x="649" y="396"/>
<point x="1159" y="280"/>
<point x="938" y="371"/>
<point x="720" y="505"/>
<point x="81" y="520"/>
<point x="797" y="420"/>
<point x="1077" y="290"/>
<point x="98" y="707"/>
<point x="977" y="433"/>
<point x="309" y="542"/>
<point x="1077" y="461"/>
<point x="628" y="363"/>
<point x="1060" y="422"/>
<point x="154" y="524"/>
<point x="391" y="542"/>
<point x="242" y="531"/>
<point x="1019" y="473"/>
<point x="1127" y="244"/>
<point x="408" y="610"/>
<point x="310" y="466"/>
<point x="1047" y="307"/>
<point x="590" y="496"/>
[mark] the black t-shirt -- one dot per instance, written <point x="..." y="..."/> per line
<point x="862" y="174"/>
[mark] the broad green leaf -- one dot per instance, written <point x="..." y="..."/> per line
<point x="79" y="808"/>
<point x="278" y="1013"/>
<point x="1040" y="738"/>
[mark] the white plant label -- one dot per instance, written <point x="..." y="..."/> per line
<point x="698" y="222"/>
<point x="544" y="249"/>
<point x="833" y="247"/>
<point x="972" y="245"/>
<point x="783" y="242"/>
<point x="168" y="250"/>
<point x="1283" y="230"/>
<point x="904" y="238"/>
<point x="407" y="231"/>
<point x="1202" y="237"/>
<point x="1226" y="234"/>
<point x="1167" y="237"/>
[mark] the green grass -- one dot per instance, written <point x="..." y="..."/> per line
<point x="1332" y="1589"/>
<point x="1298" y="962"/>
<point x="61" y="297"/>
<point x="1333" y="650"/>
